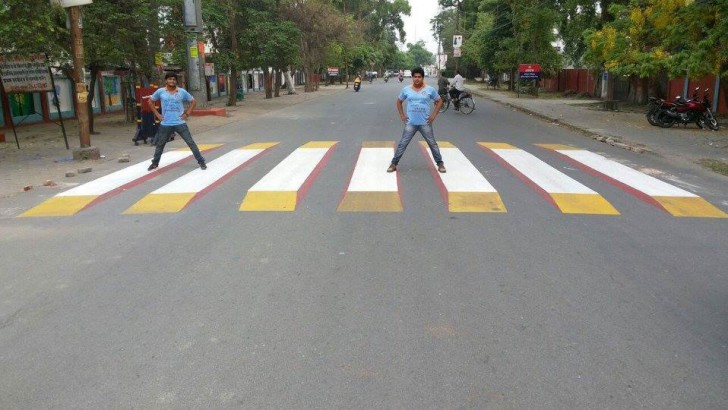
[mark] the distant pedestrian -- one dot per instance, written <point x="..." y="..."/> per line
<point x="420" y="116"/>
<point x="173" y="118"/>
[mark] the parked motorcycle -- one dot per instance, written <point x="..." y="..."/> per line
<point x="657" y="105"/>
<point x="654" y="107"/>
<point x="685" y="111"/>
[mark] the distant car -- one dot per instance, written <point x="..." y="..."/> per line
<point x="407" y="73"/>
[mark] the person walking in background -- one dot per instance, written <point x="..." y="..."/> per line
<point x="419" y="117"/>
<point x="173" y="118"/>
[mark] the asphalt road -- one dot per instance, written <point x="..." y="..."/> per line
<point x="211" y="307"/>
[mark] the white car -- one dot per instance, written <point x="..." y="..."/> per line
<point x="407" y="73"/>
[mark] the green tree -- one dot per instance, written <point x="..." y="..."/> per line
<point x="419" y="54"/>
<point x="634" y="43"/>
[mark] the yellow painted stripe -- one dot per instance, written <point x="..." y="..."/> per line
<point x="377" y="144"/>
<point x="60" y="206"/>
<point x="270" y="201"/>
<point x="592" y="204"/>
<point x="371" y="202"/>
<point x="689" y="206"/>
<point x="496" y="145"/>
<point x="161" y="203"/>
<point x="442" y="144"/>
<point x="201" y="147"/>
<point x="557" y="147"/>
<point x="319" y="144"/>
<point x="475" y="202"/>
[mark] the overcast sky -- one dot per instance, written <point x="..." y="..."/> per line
<point x="417" y="24"/>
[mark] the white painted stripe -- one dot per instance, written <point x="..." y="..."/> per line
<point x="197" y="180"/>
<point x="626" y="175"/>
<point x="461" y="175"/>
<point x="292" y="172"/>
<point x="124" y="176"/>
<point x="545" y="176"/>
<point x="370" y="173"/>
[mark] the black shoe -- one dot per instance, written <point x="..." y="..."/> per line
<point x="203" y="166"/>
<point x="152" y="167"/>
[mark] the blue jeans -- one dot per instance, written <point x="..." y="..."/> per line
<point x="427" y="133"/>
<point x="184" y="132"/>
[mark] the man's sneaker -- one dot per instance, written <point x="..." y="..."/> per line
<point x="441" y="168"/>
<point x="203" y="165"/>
<point x="152" y="167"/>
<point x="392" y="168"/>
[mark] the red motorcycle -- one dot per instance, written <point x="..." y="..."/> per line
<point x="685" y="111"/>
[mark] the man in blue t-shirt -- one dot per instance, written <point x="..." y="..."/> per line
<point x="420" y="116"/>
<point x="172" y="118"/>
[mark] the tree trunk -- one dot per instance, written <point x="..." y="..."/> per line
<point x="268" y="80"/>
<point x="639" y="89"/>
<point x="277" y="75"/>
<point x="233" y="91"/>
<point x="289" y="82"/>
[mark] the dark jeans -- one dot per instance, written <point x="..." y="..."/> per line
<point x="184" y="132"/>
<point x="427" y="133"/>
<point x="455" y="95"/>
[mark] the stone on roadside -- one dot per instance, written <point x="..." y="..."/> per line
<point x="84" y="170"/>
<point x="49" y="183"/>
<point x="27" y="187"/>
<point x="124" y="158"/>
<point x="70" y="174"/>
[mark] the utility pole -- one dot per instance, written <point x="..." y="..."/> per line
<point x="86" y="151"/>
<point x="195" y="70"/>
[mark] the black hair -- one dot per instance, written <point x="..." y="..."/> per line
<point x="418" y="70"/>
<point x="170" y="75"/>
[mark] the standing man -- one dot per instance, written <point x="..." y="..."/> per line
<point x="173" y="118"/>
<point x="419" y="117"/>
<point x="458" y="86"/>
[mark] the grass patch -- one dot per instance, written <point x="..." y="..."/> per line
<point x="717" y="166"/>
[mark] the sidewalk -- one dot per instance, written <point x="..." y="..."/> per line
<point x="628" y="130"/>
<point x="44" y="159"/>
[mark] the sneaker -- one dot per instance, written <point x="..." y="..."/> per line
<point x="441" y="168"/>
<point x="392" y="168"/>
<point x="152" y="167"/>
<point x="203" y="166"/>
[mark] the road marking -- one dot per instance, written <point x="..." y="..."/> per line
<point x="83" y="196"/>
<point x="176" y="195"/>
<point x="567" y="194"/>
<point x="372" y="188"/>
<point x="286" y="185"/>
<point x="463" y="187"/>
<point x="674" y="200"/>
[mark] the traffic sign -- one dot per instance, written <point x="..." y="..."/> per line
<point x="529" y="71"/>
<point x="457" y="41"/>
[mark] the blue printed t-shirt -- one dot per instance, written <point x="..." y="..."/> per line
<point x="172" y="104"/>
<point x="419" y="103"/>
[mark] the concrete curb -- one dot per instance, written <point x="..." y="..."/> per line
<point x="607" y="139"/>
